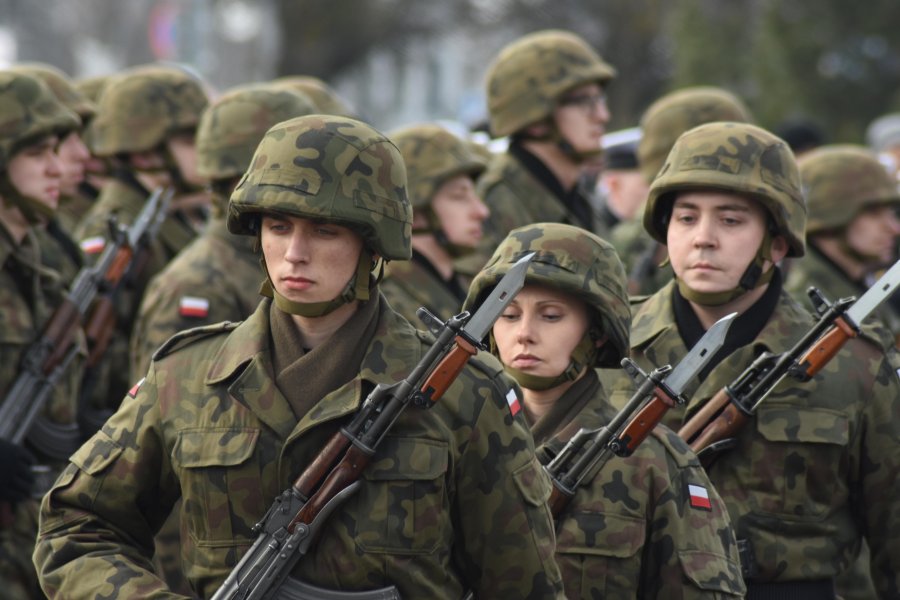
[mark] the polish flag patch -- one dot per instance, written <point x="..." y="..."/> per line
<point x="513" y="401"/>
<point x="192" y="306"/>
<point x="93" y="245"/>
<point x="699" y="497"/>
<point x="137" y="387"/>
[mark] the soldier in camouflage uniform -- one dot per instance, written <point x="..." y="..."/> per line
<point x="852" y="230"/>
<point x="32" y="122"/>
<point x="545" y="91"/>
<point x="631" y="530"/>
<point x="661" y="124"/>
<point x="228" y="415"/>
<point x="215" y="278"/>
<point x="145" y="127"/>
<point x="447" y="215"/>
<point x="815" y="471"/>
<point x="73" y="153"/>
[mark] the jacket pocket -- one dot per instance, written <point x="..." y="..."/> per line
<point x="535" y="488"/>
<point x="220" y="483"/>
<point x="402" y="505"/>
<point x="710" y="572"/>
<point x="799" y="472"/>
<point x="599" y="554"/>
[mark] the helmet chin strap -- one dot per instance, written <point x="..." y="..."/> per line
<point x="583" y="355"/>
<point x="35" y="212"/>
<point x="356" y="289"/>
<point x="753" y="277"/>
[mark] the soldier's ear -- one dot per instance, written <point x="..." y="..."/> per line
<point x="780" y="248"/>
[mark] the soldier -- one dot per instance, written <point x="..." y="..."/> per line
<point x="631" y="531"/>
<point x="815" y="470"/>
<point x="447" y="215"/>
<point x="852" y="230"/>
<point x="32" y="122"/>
<point x="545" y="91"/>
<point x="661" y="124"/>
<point x="146" y="122"/>
<point x="215" y="278"/>
<point x="228" y="415"/>
<point x="73" y="153"/>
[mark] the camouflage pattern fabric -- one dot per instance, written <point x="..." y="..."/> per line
<point x="640" y="255"/>
<point x="27" y="299"/>
<point x="64" y="90"/>
<point x="816" y="469"/>
<point x="515" y="198"/>
<point x="528" y="76"/>
<point x="216" y="278"/>
<point x="455" y="497"/>
<point x="632" y="530"/>
<point x="125" y="202"/>
<point x="142" y="107"/>
<point x="814" y="269"/>
<point x="737" y="158"/>
<point x="336" y="168"/>
<point x="840" y="181"/>
<point x="408" y="285"/>
<point x="28" y="109"/>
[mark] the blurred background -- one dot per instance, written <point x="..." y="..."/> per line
<point x="833" y="63"/>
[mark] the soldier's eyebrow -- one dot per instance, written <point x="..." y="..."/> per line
<point x="687" y="205"/>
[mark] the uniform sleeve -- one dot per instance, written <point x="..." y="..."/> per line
<point x="98" y="521"/>
<point x="167" y="309"/>
<point x="501" y="506"/>
<point x="692" y="552"/>
<point x="877" y="467"/>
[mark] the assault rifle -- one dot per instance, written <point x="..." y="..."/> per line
<point x="663" y="386"/>
<point x="291" y="524"/>
<point x="713" y="429"/>
<point x="45" y="361"/>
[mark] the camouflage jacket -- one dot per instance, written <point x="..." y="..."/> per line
<point x="515" y="197"/>
<point x="408" y="285"/>
<point x="816" y="468"/>
<point x="28" y="296"/>
<point x="106" y="386"/>
<point x="216" y="278"/>
<point x="816" y="270"/>
<point x="633" y="530"/>
<point x="453" y="498"/>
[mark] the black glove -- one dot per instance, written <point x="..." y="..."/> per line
<point x="16" y="477"/>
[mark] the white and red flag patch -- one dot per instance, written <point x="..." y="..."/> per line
<point x="93" y="245"/>
<point x="193" y="306"/>
<point x="134" y="390"/>
<point x="699" y="497"/>
<point x="512" y="399"/>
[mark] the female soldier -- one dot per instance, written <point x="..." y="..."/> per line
<point x="634" y="530"/>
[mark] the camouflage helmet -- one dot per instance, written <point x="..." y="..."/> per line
<point x="737" y="158"/>
<point x="572" y="260"/>
<point x="62" y="87"/>
<point x="144" y="106"/>
<point x="327" y="100"/>
<point x="333" y="168"/>
<point x="232" y="127"/>
<point x="840" y="181"/>
<point x="675" y="113"/>
<point x="433" y="155"/>
<point x="28" y="110"/>
<point x="527" y="78"/>
<point x="92" y="87"/>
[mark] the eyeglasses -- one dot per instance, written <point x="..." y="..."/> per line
<point x="586" y="102"/>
